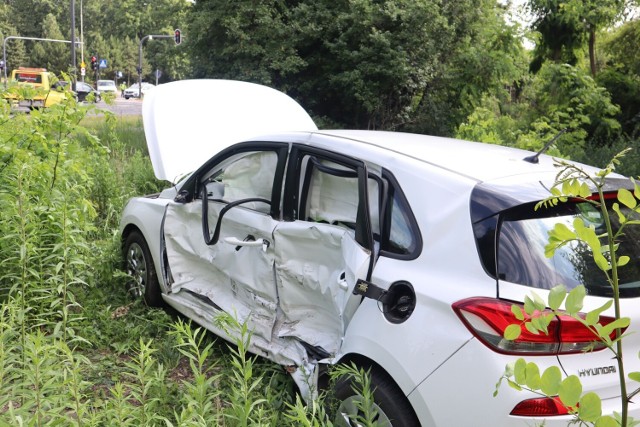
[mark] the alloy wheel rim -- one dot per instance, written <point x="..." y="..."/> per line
<point x="137" y="269"/>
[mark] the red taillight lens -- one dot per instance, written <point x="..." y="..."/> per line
<point x="540" y="407"/>
<point x="487" y="319"/>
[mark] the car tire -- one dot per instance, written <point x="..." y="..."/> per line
<point x="140" y="267"/>
<point x="394" y="410"/>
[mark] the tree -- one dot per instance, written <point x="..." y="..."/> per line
<point x="488" y="64"/>
<point x="244" y="40"/>
<point x="54" y="56"/>
<point x="565" y="25"/>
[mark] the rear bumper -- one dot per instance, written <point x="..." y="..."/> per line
<point x="460" y="393"/>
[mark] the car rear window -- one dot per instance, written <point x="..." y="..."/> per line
<point x="523" y="235"/>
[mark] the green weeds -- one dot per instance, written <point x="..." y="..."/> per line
<point x="74" y="350"/>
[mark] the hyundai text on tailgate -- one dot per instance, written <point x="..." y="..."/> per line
<point x="400" y="253"/>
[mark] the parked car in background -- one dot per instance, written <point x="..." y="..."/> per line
<point x="107" y="86"/>
<point x="133" y="90"/>
<point x="400" y="253"/>
<point x="86" y="92"/>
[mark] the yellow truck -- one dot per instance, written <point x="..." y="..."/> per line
<point x="34" y="88"/>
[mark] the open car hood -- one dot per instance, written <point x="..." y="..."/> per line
<point x="188" y="121"/>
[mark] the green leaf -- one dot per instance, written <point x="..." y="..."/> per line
<point x="556" y="296"/>
<point x="562" y="232"/>
<point x="635" y="376"/>
<point x="585" y="191"/>
<point x="626" y="198"/>
<point x="601" y="262"/>
<point x="575" y="299"/>
<point x="607" y="421"/>
<point x="520" y="371"/>
<point x="517" y="311"/>
<point x="623" y="322"/>
<point x="531" y="327"/>
<point x="590" y="407"/>
<point x="529" y="306"/>
<point x="514" y="385"/>
<point x="623" y="260"/>
<point x="533" y="376"/>
<point x="570" y="391"/>
<point x="621" y="217"/>
<point x="636" y="189"/>
<point x="512" y="332"/>
<point x="538" y="302"/>
<point x="593" y="316"/>
<point x="550" y="381"/>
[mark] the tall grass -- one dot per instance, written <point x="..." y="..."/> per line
<point x="73" y="349"/>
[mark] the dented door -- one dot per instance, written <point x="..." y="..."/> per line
<point x="320" y="255"/>
<point x="234" y="273"/>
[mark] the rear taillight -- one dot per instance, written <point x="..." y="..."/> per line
<point x="487" y="319"/>
<point x="540" y="407"/>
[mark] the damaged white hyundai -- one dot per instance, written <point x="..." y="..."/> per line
<point x="400" y="253"/>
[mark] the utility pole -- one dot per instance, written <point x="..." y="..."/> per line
<point x="73" y="43"/>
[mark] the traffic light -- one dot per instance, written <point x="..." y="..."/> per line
<point x="94" y="63"/>
<point x="176" y="36"/>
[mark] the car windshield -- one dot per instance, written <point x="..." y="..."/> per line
<point x="106" y="84"/>
<point x="521" y="250"/>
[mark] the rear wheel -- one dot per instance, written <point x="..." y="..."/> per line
<point x="139" y="265"/>
<point x="391" y="407"/>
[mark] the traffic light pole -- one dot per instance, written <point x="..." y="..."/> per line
<point x="150" y="37"/>
<point x="4" y="49"/>
<point x="177" y="40"/>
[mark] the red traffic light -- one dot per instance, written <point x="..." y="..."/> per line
<point x="177" y="37"/>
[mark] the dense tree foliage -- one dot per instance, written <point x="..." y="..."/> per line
<point x="425" y="66"/>
<point x="566" y="25"/>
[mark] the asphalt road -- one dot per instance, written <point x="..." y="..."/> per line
<point x="123" y="107"/>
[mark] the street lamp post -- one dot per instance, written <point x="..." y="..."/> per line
<point x="73" y="42"/>
<point x="150" y="37"/>
<point x="81" y="39"/>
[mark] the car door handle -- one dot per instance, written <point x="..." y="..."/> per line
<point x="251" y="243"/>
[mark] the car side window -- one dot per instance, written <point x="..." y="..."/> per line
<point x="401" y="238"/>
<point x="245" y="175"/>
<point x="330" y="194"/>
<point x="402" y="235"/>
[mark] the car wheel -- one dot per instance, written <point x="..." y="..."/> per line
<point x="139" y="266"/>
<point x="392" y="407"/>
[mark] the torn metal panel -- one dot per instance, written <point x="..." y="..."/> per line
<point x="286" y="352"/>
<point x="238" y="280"/>
<point x="317" y="266"/>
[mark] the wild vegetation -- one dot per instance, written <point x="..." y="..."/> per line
<point x="74" y="349"/>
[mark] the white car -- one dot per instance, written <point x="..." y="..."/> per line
<point x="133" y="91"/>
<point x="105" y="86"/>
<point x="401" y="253"/>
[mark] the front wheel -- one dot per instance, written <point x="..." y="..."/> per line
<point x="388" y="408"/>
<point x="139" y="266"/>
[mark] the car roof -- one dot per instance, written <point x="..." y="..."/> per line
<point x="478" y="161"/>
